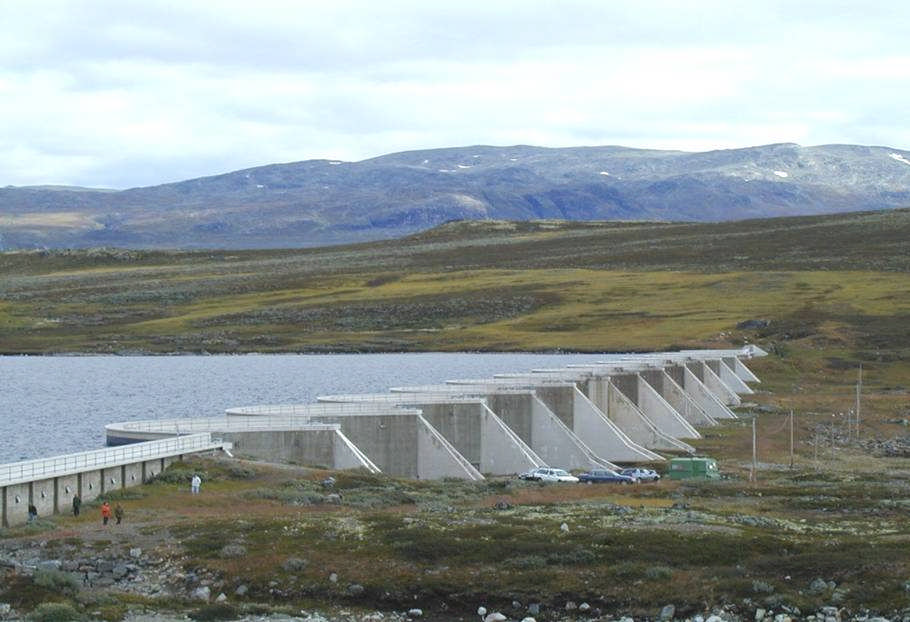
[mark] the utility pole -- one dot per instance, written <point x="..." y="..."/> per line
<point x="816" y="446"/>
<point x="859" y="388"/>
<point x="791" y="440"/>
<point x="753" y="474"/>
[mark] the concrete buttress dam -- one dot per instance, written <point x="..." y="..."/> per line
<point x="625" y="409"/>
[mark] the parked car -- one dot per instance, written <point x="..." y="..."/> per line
<point x="547" y="474"/>
<point x="642" y="475"/>
<point x="605" y="476"/>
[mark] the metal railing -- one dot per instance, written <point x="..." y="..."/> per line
<point x="32" y="470"/>
<point x="319" y="409"/>
<point x="252" y="423"/>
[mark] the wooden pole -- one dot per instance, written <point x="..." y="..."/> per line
<point x="753" y="474"/>
<point x="859" y="388"/>
<point x="791" y="440"/>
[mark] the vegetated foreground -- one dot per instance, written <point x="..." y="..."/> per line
<point x="828" y="537"/>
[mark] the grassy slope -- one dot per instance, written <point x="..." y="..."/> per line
<point x="486" y="286"/>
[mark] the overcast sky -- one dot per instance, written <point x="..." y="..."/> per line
<point x="121" y="94"/>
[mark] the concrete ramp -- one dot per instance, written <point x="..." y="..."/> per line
<point x="717" y="386"/>
<point x="677" y="397"/>
<point x="744" y="372"/>
<point x="503" y="452"/>
<point x="730" y="378"/>
<point x="553" y="441"/>
<point x="477" y="433"/>
<point x="436" y="458"/>
<point x="661" y="413"/>
<point x="604" y="437"/>
<point x="348" y="456"/>
<point x="623" y="411"/>
<point x="704" y="397"/>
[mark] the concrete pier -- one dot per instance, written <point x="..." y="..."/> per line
<point x="580" y="414"/>
<point x="398" y="441"/>
<point x="531" y="420"/>
<point x="467" y="423"/>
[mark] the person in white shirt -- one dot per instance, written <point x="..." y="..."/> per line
<point x="195" y="483"/>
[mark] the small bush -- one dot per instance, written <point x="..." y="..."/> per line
<point x="56" y="581"/>
<point x="238" y="471"/>
<point x="215" y="611"/>
<point x="574" y="557"/>
<point x="658" y="573"/>
<point x="526" y="562"/>
<point x="55" y="612"/>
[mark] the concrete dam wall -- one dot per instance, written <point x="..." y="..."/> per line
<point x="625" y="409"/>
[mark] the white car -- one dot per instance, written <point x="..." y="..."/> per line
<point x="546" y="474"/>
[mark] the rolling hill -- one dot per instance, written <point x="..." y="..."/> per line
<point x="320" y="202"/>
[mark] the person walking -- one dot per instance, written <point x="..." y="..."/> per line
<point x="105" y="513"/>
<point x="118" y="513"/>
<point x="195" y="483"/>
<point x="77" y="504"/>
<point x="32" y="513"/>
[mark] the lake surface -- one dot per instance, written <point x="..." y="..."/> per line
<point x="58" y="405"/>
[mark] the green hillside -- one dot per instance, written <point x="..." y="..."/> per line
<point x="488" y="285"/>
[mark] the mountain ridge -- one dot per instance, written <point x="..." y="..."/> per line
<point x="323" y="201"/>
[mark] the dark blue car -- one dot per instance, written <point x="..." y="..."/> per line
<point x="606" y="476"/>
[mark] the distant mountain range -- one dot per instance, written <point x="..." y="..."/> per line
<point x="320" y="202"/>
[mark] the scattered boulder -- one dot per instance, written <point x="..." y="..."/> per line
<point x="534" y="609"/>
<point x="49" y="565"/>
<point x="667" y="613"/>
<point x="119" y="571"/>
<point x="818" y="586"/>
<point x="762" y="587"/>
<point x="221" y="598"/>
<point x="355" y="589"/>
<point x="415" y="613"/>
<point x="564" y="528"/>
<point x="233" y="550"/>
<point x="202" y="593"/>
<point x="136" y="553"/>
<point x="241" y="590"/>
<point x="481" y="611"/>
<point x="494" y="617"/>
<point x="753" y="324"/>
<point x="294" y="564"/>
<point x="584" y="607"/>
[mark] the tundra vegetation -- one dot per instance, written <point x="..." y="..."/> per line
<point x="830" y="531"/>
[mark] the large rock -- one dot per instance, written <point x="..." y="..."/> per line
<point x="202" y="593"/>
<point x="667" y="613"/>
<point x="233" y="550"/>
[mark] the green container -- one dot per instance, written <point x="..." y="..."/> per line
<point x="693" y="468"/>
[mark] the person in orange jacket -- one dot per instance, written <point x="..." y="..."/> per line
<point x="105" y="512"/>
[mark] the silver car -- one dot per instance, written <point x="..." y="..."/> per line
<point x="548" y="474"/>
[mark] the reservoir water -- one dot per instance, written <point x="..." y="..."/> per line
<point x="58" y="405"/>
